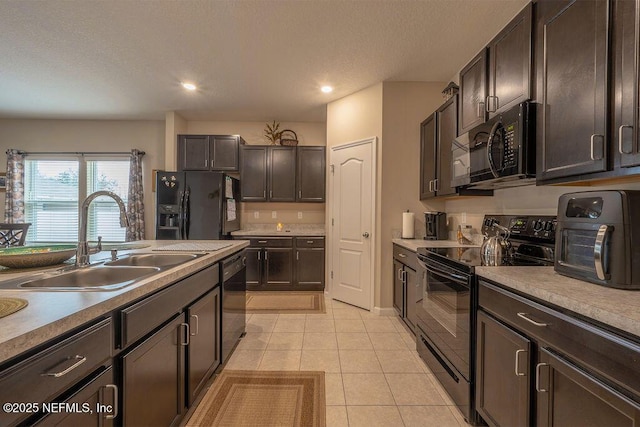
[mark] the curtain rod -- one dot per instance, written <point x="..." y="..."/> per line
<point x="80" y="153"/>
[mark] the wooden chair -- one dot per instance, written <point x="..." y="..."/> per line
<point x="13" y="234"/>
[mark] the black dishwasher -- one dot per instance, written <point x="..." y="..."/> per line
<point x="234" y="289"/>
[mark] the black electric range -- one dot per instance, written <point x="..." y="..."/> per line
<point x="447" y="303"/>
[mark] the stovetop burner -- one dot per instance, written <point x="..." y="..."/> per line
<point x="532" y="239"/>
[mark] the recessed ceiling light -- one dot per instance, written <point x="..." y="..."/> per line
<point x="188" y="86"/>
<point x="326" y="89"/>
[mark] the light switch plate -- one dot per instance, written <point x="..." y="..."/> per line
<point x="256" y="214"/>
<point x="299" y="215"/>
<point x="274" y="214"/>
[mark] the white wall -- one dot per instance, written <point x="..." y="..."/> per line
<point x="90" y="135"/>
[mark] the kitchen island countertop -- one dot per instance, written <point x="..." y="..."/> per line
<point x="617" y="308"/>
<point x="53" y="313"/>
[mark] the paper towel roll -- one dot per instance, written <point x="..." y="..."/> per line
<point x="407" y="225"/>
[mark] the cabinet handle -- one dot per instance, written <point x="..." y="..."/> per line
<point x="271" y="194"/>
<point x="399" y="275"/>
<point x="262" y="241"/>
<point x="538" y="389"/>
<point x="480" y="109"/>
<point x="404" y="277"/>
<point x="592" y="140"/>
<point x="194" y="333"/>
<point x="620" y="130"/>
<point x="259" y="256"/>
<point x="115" y="401"/>
<point x="297" y="255"/>
<point x="518" y="374"/>
<point x="266" y="255"/>
<point x="524" y="316"/>
<point x="431" y="186"/>
<point x="495" y="104"/>
<point x="436" y="187"/>
<point x="186" y="334"/>
<point x="402" y="255"/>
<point x="80" y="360"/>
<point x="310" y="242"/>
<point x="206" y="163"/>
<point x="299" y="194"/>
<point x="264" y="194"/>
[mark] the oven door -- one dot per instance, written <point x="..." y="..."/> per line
<point x="444" y="311"/>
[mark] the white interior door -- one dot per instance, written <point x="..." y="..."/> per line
<point x="353" y="213"/>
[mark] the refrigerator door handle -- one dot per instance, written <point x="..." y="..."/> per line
<point x="187" y="194"/>
<point x="181" y="216"/>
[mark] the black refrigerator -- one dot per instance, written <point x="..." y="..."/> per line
<point x="196" y="205"/>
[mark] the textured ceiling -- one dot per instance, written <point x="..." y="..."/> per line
<point x="252" y="60"/>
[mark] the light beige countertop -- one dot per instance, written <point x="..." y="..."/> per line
<point x="289" y="230"/>
<point x="52" y="313"/>
<point x="614" y="307"/>
<point x="414" y="244"/>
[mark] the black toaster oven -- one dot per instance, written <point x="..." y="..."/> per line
<point x="598" y="237"/>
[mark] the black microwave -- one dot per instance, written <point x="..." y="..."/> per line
<point x="502" y="150"/>
<point x="598" y="237"/>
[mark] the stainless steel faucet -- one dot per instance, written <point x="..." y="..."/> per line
<point x="83" y="252"/>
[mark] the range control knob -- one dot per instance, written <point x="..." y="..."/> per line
<point x="538" y="225"/>
<point x="548" y="226"/>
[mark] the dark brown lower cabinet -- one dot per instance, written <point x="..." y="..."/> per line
<point x="537" y="366"/>
<point x="569" y="396"/>
<point x="285" y="264"/>
<point x="503" y="360"/>
<point x="153" y="378"/>
<point x="203" y="352"/>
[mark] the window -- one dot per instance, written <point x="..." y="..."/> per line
<point x="54" y="187"/>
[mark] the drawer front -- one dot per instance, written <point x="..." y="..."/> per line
<point x="272" y="242"/>
<point x="309" y="242"/>
<point x="48" y="373"/>
<point x="405" y="256"/>
<point x="603" y="353"/>
<point x="144" y="316"/>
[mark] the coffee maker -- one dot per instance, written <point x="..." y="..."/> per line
<point x="436" y="226"/>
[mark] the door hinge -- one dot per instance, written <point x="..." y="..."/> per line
<point x="332" y="169"/>
<point x="332" y="221"/>
<point x="332" y="274"/>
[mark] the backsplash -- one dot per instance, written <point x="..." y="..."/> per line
<point x="286" y="213"/>
<point x="532" y="200"/>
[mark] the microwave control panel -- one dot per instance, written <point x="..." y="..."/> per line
<point x="539" y="227"/>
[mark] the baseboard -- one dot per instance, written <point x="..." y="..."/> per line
<point x="388" y="312"/>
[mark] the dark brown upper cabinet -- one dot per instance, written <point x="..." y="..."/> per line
<point x="281" y="170"/>
<point x="473" y="92"/>
<point x="510" y="57"/>
<point x="626" y="135"/>
<point x="311" y="174"/>
<point x="282" y="174"/>
<point x="437" y="133"/>
<point x="571" y="57"/>
<point x="499" y="77"/>
<point x="208" y="152"/>
<point x="428" y="138"/>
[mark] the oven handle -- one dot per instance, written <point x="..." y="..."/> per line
<point x="458" y="278"/>
<point x="598" y="256"/>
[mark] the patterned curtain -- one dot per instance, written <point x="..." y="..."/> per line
<point x="135" y="204"/>
<point x="14" y="198"/>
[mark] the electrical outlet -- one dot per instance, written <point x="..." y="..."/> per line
<point x="256" y="214"/>
<point x="274" y="214"/>
<point x="299" y="215"/>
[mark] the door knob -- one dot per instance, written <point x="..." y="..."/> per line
<point x="365" y="235"/>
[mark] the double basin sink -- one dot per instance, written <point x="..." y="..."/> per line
<point x="106" y="276"/>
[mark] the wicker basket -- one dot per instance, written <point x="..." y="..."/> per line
<point x="288" y="137"/>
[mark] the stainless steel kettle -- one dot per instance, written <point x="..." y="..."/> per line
<point x="496" y="250"/>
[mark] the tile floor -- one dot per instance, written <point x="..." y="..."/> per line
<point x="374" y="376"/>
